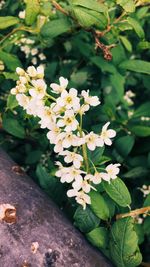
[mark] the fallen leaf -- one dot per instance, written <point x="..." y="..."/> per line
<point x="7" y="213"/>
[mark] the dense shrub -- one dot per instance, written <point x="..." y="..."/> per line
<point x="102" y="46"/>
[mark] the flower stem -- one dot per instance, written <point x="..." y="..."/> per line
<point x="51" y="97"/>
<point x="84" y="148"/>
<point x="133" y="213"/>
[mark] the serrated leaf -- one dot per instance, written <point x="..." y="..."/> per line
<point x="118" y="191"/>
<point x="137" y="27"/>
<point x="127" y="5"/>
<point x="98" y="237"/>
<point x="8" y="21"/>
<point x="32" y="11"/>
<point x="55" y="28"/>
<point x="136" y="65"/>
<point x="124" y="244"/>
<point x="85" y="220"/>
<point x="99" y="206"/>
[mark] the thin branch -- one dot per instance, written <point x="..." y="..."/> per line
<point x="133" y="213"/>
<point x="58" y="7"/>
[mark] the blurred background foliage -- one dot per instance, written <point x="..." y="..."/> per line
<point x="98" y="45"/>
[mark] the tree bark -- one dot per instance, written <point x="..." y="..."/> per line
<point x="38" y="219"/>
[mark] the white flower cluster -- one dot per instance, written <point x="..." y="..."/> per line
<point x="128" y="97"/>
<point x="27" y="46"/>
<point x="62" y="116"/>
<point x="145" y="118"/>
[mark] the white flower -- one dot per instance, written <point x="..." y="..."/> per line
<point x="47" y="116"/>
<point x="34" y="60"/>
<point x="68" y="121"/>
<point x="59" y="88"/>
<point x="39" y="89"/>
<point x="22" y="14"/>
<point x="84" y="108"/>
<point x="53" y="133"/>
<point x="93" y="140"/>
<point x="112" y="172"/>
<point x="107" y="134"/>
<point x="69" y="99"/>
<point x="20" y="71"/>
<point x="80" y="197"/>
<point x="83" y="184"/>
<point x="32" y="71"/>
<point x="41" y="56"/>
<point x="95" y="179"/>
<point x="33" y="106"/>
<point x="34" y="51"/>
<point x="68" y="174"/>
<point x="23" y="100"/>
<point x="73" y="157"/>
<point x="40" y="72"/>
<point x="90" y="100"/>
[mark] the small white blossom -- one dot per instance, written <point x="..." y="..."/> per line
<point x="59" y="88"/>
<point x="80" y="197"/>
<point x="73" y="157"/>
<point x="22" y="14"/>
<point x="23" y="100"/>
<point x="112" y="171"/>
<point x="93" y="140"/>
<point x="68" y="121"/>
<point x="107" y="134"/>
<point x="90" y="100"/>
<point x="69" y="100"/>
<point x="39" y="89"/>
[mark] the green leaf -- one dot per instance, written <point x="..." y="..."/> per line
<point x="98" y="237"/>
<point x="55" y="28"/>
<point x="143" y="45"/>
<point x="103" y="65"/>
<point x="86" y="17"/>
<point x="96" y="155"/>
<point x="99" y="206"/>
<point x="124" y="145"/>
<point x="126" y="43"/>
<point x="85" y="220"/>
<point x="118" y="191"/>
<point x="147" y="201"/>
<point x="127" y="5"/>
<point x="140" y="233"/>
<point x="12" y="102"/>
<point x="11" y="61"/>
<point x="146" y="226"/>
<point x="33" y="157"/>
<point x="90" y="4"/>
<point x="136" y="172"/>
<point x="32" y="10"/>
<point x="12" y="126"/>
<point x="50" y="184"/>
<point x="124" y="244"/>
<point x="143" y="110"/>
<point x="139" y="130"/>
<point x="136" y="65"/>
<point x="137" y="27"/>
<point x="10" y="75"/>
<point x="8" y="21"/>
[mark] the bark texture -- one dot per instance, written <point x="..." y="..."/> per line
<point x="38" y="220"/>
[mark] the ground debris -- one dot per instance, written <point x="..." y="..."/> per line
<point x="7" y="213"/>
<point x="34" y="247"/>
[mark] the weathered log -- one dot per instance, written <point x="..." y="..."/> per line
<point x="38" y="220"/>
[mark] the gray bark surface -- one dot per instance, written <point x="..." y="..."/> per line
<point x="38" y="220"/>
